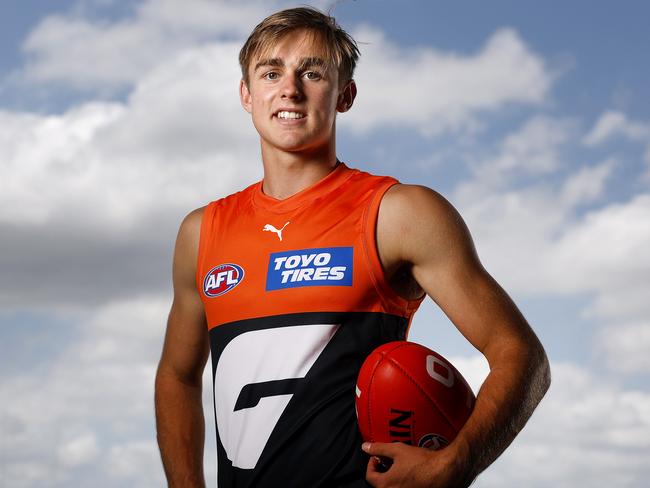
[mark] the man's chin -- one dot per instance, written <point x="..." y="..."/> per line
<point x="298" y="146"/>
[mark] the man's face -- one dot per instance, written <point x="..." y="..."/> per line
<point x="293" y="96"/>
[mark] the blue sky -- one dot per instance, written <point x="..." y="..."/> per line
<point x="117" y="118"/>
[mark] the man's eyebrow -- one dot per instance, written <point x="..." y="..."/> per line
<point x="311" y="62"/>
<point x="305" y="63"/>
<point x="274" y="62"/>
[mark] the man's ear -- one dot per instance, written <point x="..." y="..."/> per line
<point x="346" y="97"/>
<point x="245" y="96"/>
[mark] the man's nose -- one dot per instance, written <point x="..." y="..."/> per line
<point x="291" y="87"/>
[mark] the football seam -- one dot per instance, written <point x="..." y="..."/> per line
<point x="368" y="409"/>
<point x="424" y="394"/>
<point x="372" y="379"/>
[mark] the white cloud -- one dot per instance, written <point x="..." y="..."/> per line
<point x="433" y="90"/>
<point x="205" y="16"/>
<point x="586" y="432"/>
<point x="606" y="250"/>
<point x="626" y="346"/>
<point x="103" y="186"/>
<point x="536" y="230"/>
<point x="533" y="241"/>
<point x="86" y="418"/>
<point x="71" y="395"/>
<point x="513" y="229"/>
<point x="534" y="236"/>
<point x="136" y="464"/>
<point x="588" y="184"/>
<point x="615" y="123"/>
<point x="123" y="161"/>
<point x="91" y="405"/>
<point x="97" y="55"/>
<point x="78" y="451"/>
<point x="533" y="149"/>
<point x="127" y="329"/>
<point x="46" y="153"/>
<point x="537" y="239"/>
<point x="473" y="368"/>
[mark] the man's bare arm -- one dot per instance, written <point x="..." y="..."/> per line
<point x="179" y="410"/>
<point x="430" y="236"/>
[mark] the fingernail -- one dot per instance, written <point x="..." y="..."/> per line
<point x="365" y="446"/>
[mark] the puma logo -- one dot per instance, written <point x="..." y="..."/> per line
<point x="270" y="228"/>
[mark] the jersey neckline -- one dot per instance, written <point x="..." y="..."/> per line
<point x="329" y="183"/>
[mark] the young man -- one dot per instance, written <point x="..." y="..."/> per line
<point x="293" y="281"/>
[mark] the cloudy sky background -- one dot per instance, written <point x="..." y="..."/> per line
<point x="117" y="118"/>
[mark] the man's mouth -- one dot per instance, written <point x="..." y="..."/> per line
<point x="284" y="114"/>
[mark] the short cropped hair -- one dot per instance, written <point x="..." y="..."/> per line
<point x="340" y="48"/>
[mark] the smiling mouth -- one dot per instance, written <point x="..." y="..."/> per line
<point x="286" y="115"/>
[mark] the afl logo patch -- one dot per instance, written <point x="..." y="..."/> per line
<point x="221" y="279"/>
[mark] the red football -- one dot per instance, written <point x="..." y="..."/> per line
<point x="408" y="393"/>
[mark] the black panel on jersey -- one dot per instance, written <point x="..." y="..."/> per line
<point x="316" y="442"/>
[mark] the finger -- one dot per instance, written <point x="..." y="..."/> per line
<point x="382" y="449"/>
<point x="374" y="463"/>
<point x="373" y="471"/>
<point x="380" y="465"/>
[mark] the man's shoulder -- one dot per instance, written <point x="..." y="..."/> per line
<point x="191" y="225"/>
<point x="415" y="220"/>
<point x="402" y="201"/>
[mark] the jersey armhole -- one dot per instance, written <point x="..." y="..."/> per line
<point x="393" y="302"/>
<point x="204" y="236"/>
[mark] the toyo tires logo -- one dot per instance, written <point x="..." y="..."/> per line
<point x="326" y="266"/>
<point x="221" y="279"/>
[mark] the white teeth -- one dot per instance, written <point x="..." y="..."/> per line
<point x="290" y="115"/>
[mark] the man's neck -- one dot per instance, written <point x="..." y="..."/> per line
<point x="286" y="174"/>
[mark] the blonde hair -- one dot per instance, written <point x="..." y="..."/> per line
<point x="339" y="47"/>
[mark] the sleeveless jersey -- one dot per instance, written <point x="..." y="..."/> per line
<point x="295" y="300"/>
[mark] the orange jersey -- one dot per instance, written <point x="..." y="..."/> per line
<point x="295" y="299"/>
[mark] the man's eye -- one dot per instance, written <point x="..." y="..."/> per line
<point x="271" y="75"/>
<point x="312" y="75"/>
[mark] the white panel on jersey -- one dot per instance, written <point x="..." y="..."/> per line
<point x="254" y="357"/>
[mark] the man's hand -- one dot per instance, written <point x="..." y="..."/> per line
<point x="412" y="467"/>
